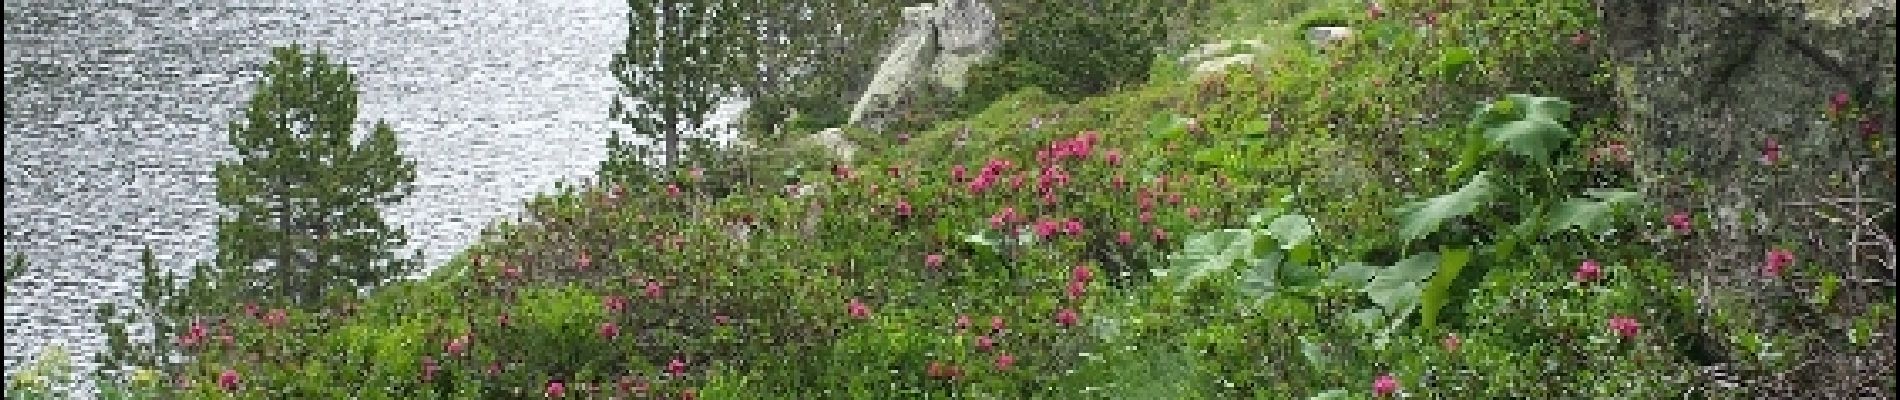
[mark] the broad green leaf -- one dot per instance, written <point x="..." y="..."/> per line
<point x="1412" y="269"/>
<point x="1211" y="252"/>
<point x="1298" y="273"/>
<point x="1397" y="288"/>
<point x="1352" y="274"/>
<point x="1590" y="215"/>
<point x="1530" y="126"/>
<point x="1259" y="218"/>
<point x="1392" y="295"/>
<point x="1367" y="318"/>
<point x="1538" y="107"/>
<point x="1454" y="60"/>
<point x="1422" y="218"/>
<point x="1534" y="138"/>
<point x="1261" y="278"/>
<point x="1314" y="354"/>
<point x="1438" y="291"/>
<point x="1292" y="230"/>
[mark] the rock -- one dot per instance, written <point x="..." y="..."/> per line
<point x="1702" y="85"/>
<point x="1217" y="57"/>
<point x="936" y="45"/>
<point x="1324" y="36"/>
<point x="833" y="139"/>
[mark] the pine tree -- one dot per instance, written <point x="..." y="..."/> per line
<point x="303" y="197"/>
<point x="682" y="58"/>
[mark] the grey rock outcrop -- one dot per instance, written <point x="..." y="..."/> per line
<point x="1704" y="85"/>
<point x="936" y="45"/>
<point x="1219" y="56"/>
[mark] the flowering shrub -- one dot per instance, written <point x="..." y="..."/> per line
<point x="1337" y="224"/>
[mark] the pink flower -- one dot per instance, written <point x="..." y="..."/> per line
<point x="672" y="190"/>
<point x="1147" y="217"/>
<point x="963" y="322"/>
<point x="1175" y="198"/>
<point x="1589" y="271"/>
<point x="1194" y="212"/>
<point x="584" y="261"/>
<point x="1125" y="238"/>
<point x="688" y="394"/>
<point x="676" y="367"/>
<point x="228" y="380"/>
<point x="1580" y="39"/>
<point x="1076" y="288"/>
<point x="653" y="289"/>
<point x="956" y="173"/>
<point x="1374" y="11"/>
<point x="1385" y="385"/>
<point x="458" y="346"/>
<point x="1681" y="222"/>
<point x="857" y="309"/>
<point x="1770" y="152"/>
<point x="996" y="323"/>
<point x="609" y="330"/>
<point x="903" y="208"/>
<point x="429" y="368"/>
<point x="1113" y="156"/>
<point x="1145" y="201"/>
<point x="1004" y="361"/>
<point x="984" y="343"/>
<point x="1838" y="104"/>
<point x="250" y="309"/>
<point x="1868" y="126"/>
<point x="1160" y="235"/>
<point x="502" y="319"/>
<point x="842" y="172"/>
<point x="1118" y="182"/>
<point x="1073" y="226"/>
<point x="1778" y="260"/>
<point x="1045" y="228"/>
<point x="614" y="303"/>
<point x="556" y="388"/>
<point x="511" y="272"/>
<point x="1081" y="273"/>
<point x="277" y="318"/>
<point x="1624" y="326"/>
<point x="721" y="319"/>
<point x="1066" y="317"/>
<point x="1049" y="198"/>
<point x="494" y="368"/>
<point x="1006" y="216"/>
<point x="933" y="261"/>
<point x="1452" y="342"/>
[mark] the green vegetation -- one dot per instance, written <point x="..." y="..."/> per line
<point x="1435" y="207"/>
<point x="304" y="194"/>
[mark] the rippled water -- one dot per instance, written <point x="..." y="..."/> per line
<point x="115" y="114"/>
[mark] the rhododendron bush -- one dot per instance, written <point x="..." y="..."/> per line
<point x="1440" y="206"/>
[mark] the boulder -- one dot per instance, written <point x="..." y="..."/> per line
<point x="1704" y="86"/>
<point x="936" y="45"/>
<point x="1325" y="36"/>
<point x="1217" y="57"/>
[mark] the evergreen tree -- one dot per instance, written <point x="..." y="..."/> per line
<point x="302" y="199"/>
<point x="682" y="58"/>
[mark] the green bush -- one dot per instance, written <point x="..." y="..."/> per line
<point x="1298" y="230"/>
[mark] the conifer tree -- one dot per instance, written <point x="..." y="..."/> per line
<point x="302" y="200"/>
